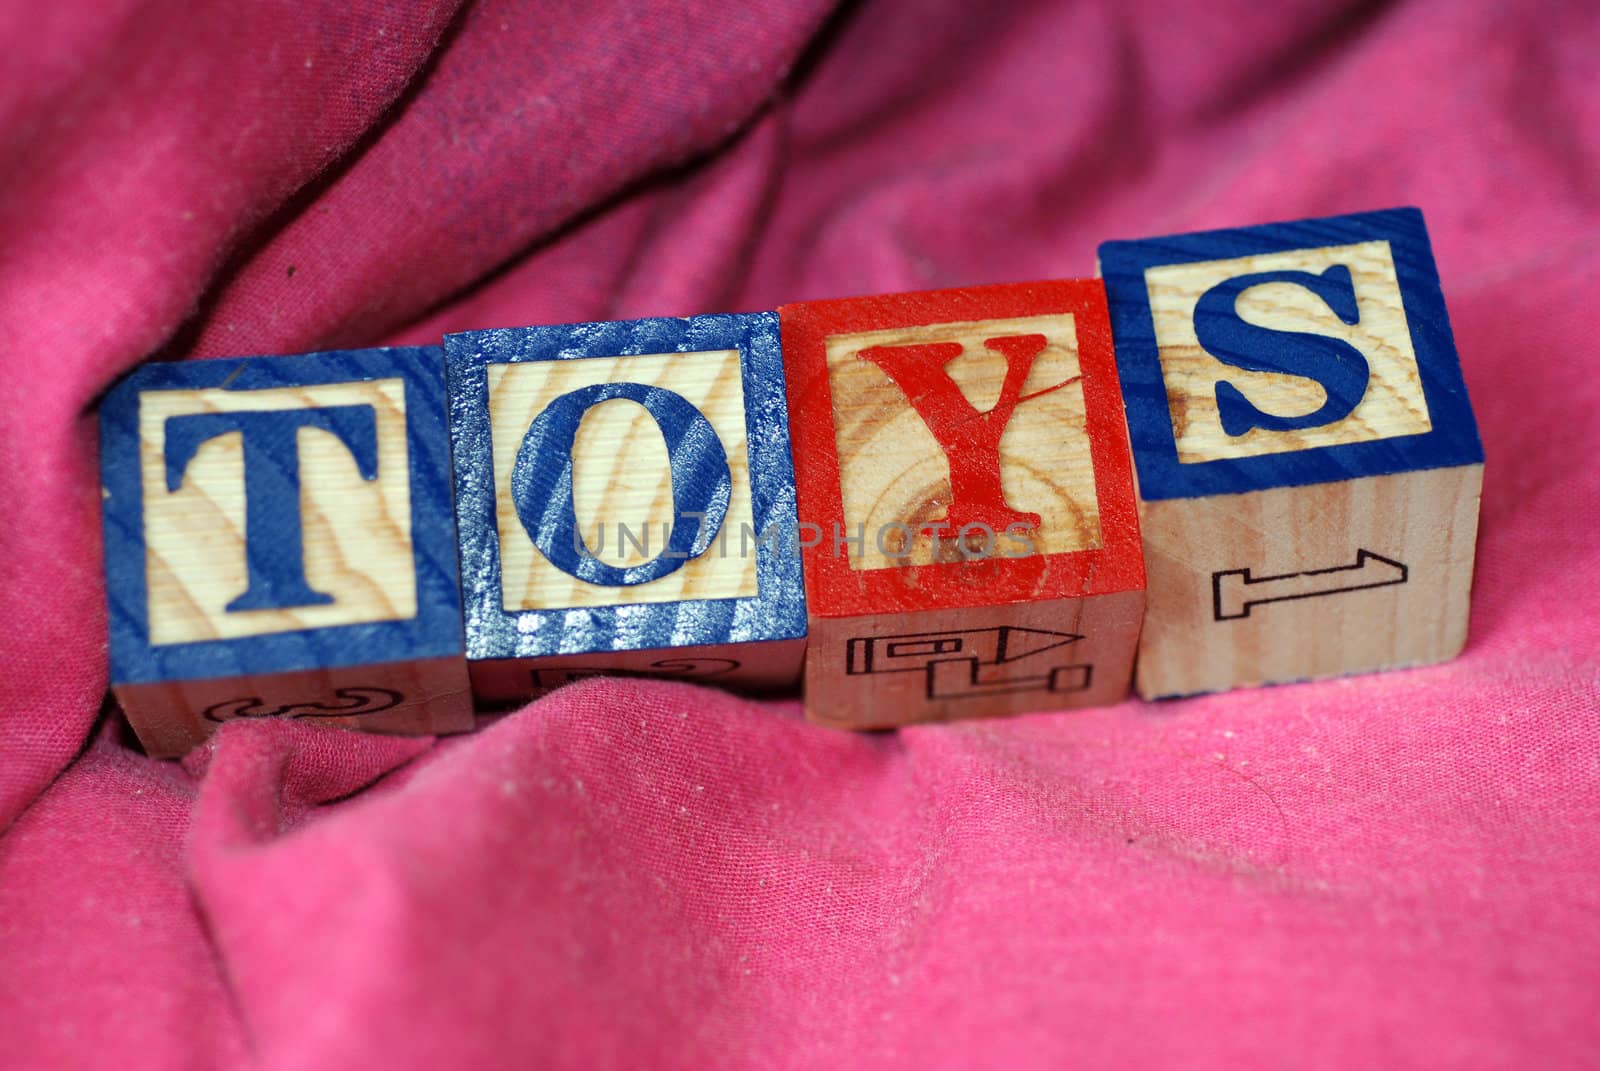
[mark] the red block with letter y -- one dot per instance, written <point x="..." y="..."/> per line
<point x="968" y="524"/>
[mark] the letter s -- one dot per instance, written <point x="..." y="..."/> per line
<point x="1335" y="365"/>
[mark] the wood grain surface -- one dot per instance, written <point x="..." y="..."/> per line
<point x="621" y="478"/>
<point x="1205" y="634"/>
<point x="894" y="472"/>
<point x="357" y="532"/>
<point x="1392" y="406"/>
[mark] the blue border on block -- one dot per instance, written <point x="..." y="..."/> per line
<point x="778" y="609"/>
<point x="1452" y="441"/>
<point x="436" y="630"/>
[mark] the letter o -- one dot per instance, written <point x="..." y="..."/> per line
<point x="541" y="482"/>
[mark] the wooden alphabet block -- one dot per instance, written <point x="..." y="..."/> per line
<point x="279" y="540"/>
<point x="626" y="500"/>
<point x="1308" y="464"/>
<point x="970" y="538"/>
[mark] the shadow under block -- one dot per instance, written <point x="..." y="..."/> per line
<point x="1308" y="464"/>
<point x="279" y="541"/>
<point x="626" y="500"/>
<point x="971" y="541"/>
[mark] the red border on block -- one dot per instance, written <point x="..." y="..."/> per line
<point x="833" y="589"/>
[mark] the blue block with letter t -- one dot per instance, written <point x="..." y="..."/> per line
<point x="279" y="541"/>
<point x="1307" y="460"/>
<point x="626" y="502"/>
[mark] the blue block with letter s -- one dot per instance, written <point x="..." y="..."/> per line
<point x="1306" y="456"/>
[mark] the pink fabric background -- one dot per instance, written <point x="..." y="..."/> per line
<point x="1396" y="870"/>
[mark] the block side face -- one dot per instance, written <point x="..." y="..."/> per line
<point x="410" y="699"/>
<point x="1286" y="354"/>
<point x="525" y="406"/>
<point x="915" y="414"/>
<point x="1298" y="583"/>
<point x="759" y="667"/>
<point x="195" y="563"/>
<point x="882" y="671"/>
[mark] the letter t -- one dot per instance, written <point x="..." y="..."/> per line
<point x="273" y="538"/>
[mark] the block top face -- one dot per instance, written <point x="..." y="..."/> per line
<point x="960" y="448"/>
<point x="1286" y="354"/>
<point x="276" y="514"/>
<point x="615" y="482"/>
